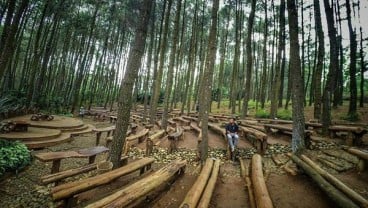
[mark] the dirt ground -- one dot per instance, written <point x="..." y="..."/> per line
<point x="230" y="191"/>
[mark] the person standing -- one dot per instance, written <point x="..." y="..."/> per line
<point x="232" y="134"/>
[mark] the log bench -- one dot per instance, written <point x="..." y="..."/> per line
<point x="151" y="141"/>
<point x="201" y="192"/>
<point x="113" y="119"/>
<point x="190" y="118"/>
<point x="288" y="130"/>
<point x="134" y="194"/>
<point x="273" y="121"/>
<point x="174" y="138"/>
<point x="68" y="191"/>
<point x="59" y="176"/>
<point x="56" y="157"/>
<point x="222" y="132"/>
<point x="182" y="121"/>
<point x="109" y="130"/>
<point x="354" y="133"/>
<point x="257" y="138"/>
<point x="172" y="123"/>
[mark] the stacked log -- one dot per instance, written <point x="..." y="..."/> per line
<point x="332" y="192"/>
<point x="336" y="182"/>
<point x="201" y="192"/>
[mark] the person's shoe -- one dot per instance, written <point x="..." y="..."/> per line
<point x="232" y="149"/>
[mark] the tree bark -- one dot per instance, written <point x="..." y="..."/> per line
<point x="297" y="143"/>
<point x="126" y="88"/>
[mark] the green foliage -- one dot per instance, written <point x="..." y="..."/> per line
<point x="13" y="156"/>
<point x="284" y="114"/>
<point x="14" y="101"/>
<point x="261" y="113"/>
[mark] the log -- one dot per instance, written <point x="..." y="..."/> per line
<point x="69" y="189"/>
<point x="337" y="183"/>
<point x="192" y="198"/>
<point x="195" y="127"/>
<point x="138" y="136"/>
<point x="263" y="199"/>
<point x="207" y="194"/>
<point x="248" y="183"/>
<point x="335" y="195"/>
<point x="68" y="173"/>
<point x="358" y="153"/>
<point x="129" y="194"/>
<point x="157" y="135"/>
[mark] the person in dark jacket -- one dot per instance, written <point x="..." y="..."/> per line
<point x="232" y="134"/>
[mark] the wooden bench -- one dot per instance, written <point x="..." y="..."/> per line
<point x="354" y="133"/>
<point x="257" y="138"/>
<point x="182" y="120"/>
<point x="67" y="191"/>
<point x="59" y="176"/>
<point x="113" y="119"/>
<point x="172" y="123"/>
<point x="110" y="131"/>
<point x="134" y="194"/>
<point x="174" y="138"/>
<point x="288" y="130"/>
<point x="56" y="157"/>
<point x="21" y="126"/>
<point x="273" y="121"/>
<point x="151" y="141"/>
<point x="222" y="132"/>
<point x="190" y="118"/>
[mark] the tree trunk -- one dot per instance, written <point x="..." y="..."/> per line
<point x="171" y="66"/>
<point x="207" y="81"/>
<point x="126" y="88"/>
<point x="320" y="57"/>
<point x="297" y="143"/>
<point x="249" y="59"/>
<point x="276" y="79"/>
<point x="362" y="70"/>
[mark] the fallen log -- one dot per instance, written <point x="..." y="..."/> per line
<point x="337" y="183"/>
<point x="139" y="189"/>
<point x="192" y="198"/>
<point x="207" y="194"/>
<point x="358" y="153"/>
<point x="263" y="199"/>
<point x="339" y="198"/>
<point x="248" y="183"/>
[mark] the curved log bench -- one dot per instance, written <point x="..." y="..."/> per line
<point x="172" y="123"/>
<point x="182" y="121"/>
<point x="257" y="138"/>
<point x="56" y="157"/>
<point x="133" y="194"/>
<point x="109" y="130"/>
<point x="288" y="130"/>
<point x="67" y="191"/>
<point x="174" y="138"/>
<point x="190" y="118"/>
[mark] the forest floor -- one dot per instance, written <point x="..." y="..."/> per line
<point x="25" y="190"/>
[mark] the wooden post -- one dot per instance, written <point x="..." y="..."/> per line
<point x="55" y="166"/>
<point x="98" y="137"/>
<point x="192" y="198"/>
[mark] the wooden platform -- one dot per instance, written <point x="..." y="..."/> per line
<point x="43" y="134"/>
